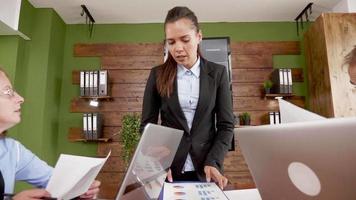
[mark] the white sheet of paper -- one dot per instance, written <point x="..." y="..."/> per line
<point x="292" y="113"/>
<point x="246" y="194"/>
<point x="192" y="191"/>
<point x="73" y="175"/>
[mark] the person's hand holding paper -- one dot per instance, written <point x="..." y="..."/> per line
<point x="74" y="175"/>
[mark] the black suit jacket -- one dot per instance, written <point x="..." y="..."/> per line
<point x="212" y="128"/>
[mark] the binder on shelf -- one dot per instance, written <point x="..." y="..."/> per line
<point x="85" y="126"/>
<point x="91" y="83"/>
<point x="285" y="80"/>
<point x="90" y="126"/>
<point x="277" y="118"/>
<point x="97" y="126"/>
<point x="86" y="85"/>
<point x="274" y="117"/>
<point x="271" y="117"/>
<point x="277" y="78"/>
<point x="82" y="83"/>
<point x="95" y="83"/>
<point x="290" y="81"/>
<point x="103" y="83"/>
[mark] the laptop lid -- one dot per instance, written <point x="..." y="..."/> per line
<point x="150" y="163"/>
<point x="303" y="160"/>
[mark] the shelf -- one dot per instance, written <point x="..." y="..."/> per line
<point x="75" y="135"/>
<point x="97" y="97"/>
<point x="97" y="140"/>
<point x="279" y="95"/>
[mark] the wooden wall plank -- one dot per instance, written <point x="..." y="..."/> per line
<point x="106" y="49"/>
<point x="297" y="75"/>
<point x="135" y="104"/>
<point x="250" y="75"/>
<point x="110" y="184"/>
<point x="128" y="76"/>
<point x="259" y="61"/>
<point x="239" y="76"/>
<point x="128" y="90"/>
<point x="114" y="147"/>
<point x="272" y="48"/>
<point x="114" y="164"/>
<point x="247" y="89"/>
<point x="130" y="62"/>
<point x="258" y="104"/>
<point x="117" y="104"/>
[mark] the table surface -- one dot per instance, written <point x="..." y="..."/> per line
<point x="246" y="194"/>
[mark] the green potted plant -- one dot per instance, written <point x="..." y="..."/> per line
<point x="267" y="85"/>
<point x="130" y="135"/>
<point x="245" y="118"/>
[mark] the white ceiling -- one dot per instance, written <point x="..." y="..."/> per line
<point x="153" y="11"/>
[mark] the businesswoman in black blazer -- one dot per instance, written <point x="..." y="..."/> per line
<point x="191" y="94"/>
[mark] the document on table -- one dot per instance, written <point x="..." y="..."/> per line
<point x="203" y="191"/>
<point x="73" y="175"/>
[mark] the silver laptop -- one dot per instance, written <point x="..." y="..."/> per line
<point x="150" y="163"/>
<point x="303" y="160"/>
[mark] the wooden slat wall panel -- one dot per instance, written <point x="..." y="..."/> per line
<point x="258" y="61"/>
<point x="114" y="147"/>
<point x="118" y="104"/>
<point x="110" y="184"/>
<point x="135" y="104"/>
<point x="250" y="75"/>
<point x="108" y="132"/>
<point x="247" y="89"/>
<point x="244" y="75"/>
<point x="128" y="90"/>
<point x="128" y="76"/>
<point x="129" y="66"/>
<point x="271" y="48"/>
<point x="130" y="62"/>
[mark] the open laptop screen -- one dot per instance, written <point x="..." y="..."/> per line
<point x="302" y="160"/>
<point x="149" y="165"/>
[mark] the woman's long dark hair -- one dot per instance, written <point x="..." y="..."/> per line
<point x="168" y="71"/>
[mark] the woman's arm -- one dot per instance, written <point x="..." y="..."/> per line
<point x="224" y="123"/>
<point x="151" y="101"/>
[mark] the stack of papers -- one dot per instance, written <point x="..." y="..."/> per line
<point x="73" y="175"/>
<point x="201" y="191"/>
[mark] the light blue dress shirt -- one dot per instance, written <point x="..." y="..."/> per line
<point x="18" y="163"/>
<point x="188" y="95"/>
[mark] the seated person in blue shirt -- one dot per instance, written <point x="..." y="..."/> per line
<point x="17" y="162"/>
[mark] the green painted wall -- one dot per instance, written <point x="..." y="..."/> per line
<point x="35" y="67"/>
<point x="8" y="54"/>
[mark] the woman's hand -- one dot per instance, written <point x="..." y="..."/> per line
<point x="92" y="191"/>
<point x="169" y="176"/>
<point x="32" y="194"/>
<point x="213" y="173"/>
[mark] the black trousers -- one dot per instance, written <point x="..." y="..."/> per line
<point x="186" y="176"/>
<point x="2" y="186"/>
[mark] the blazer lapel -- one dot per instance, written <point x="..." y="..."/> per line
<point x="173" y="103"/>
<point x="207" y="84"/>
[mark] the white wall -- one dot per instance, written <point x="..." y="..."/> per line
<point x="342" y="6"/>
<point x="345" y="6"/>
<point x="352" y="5"/>
<point x="10" y="13"/>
